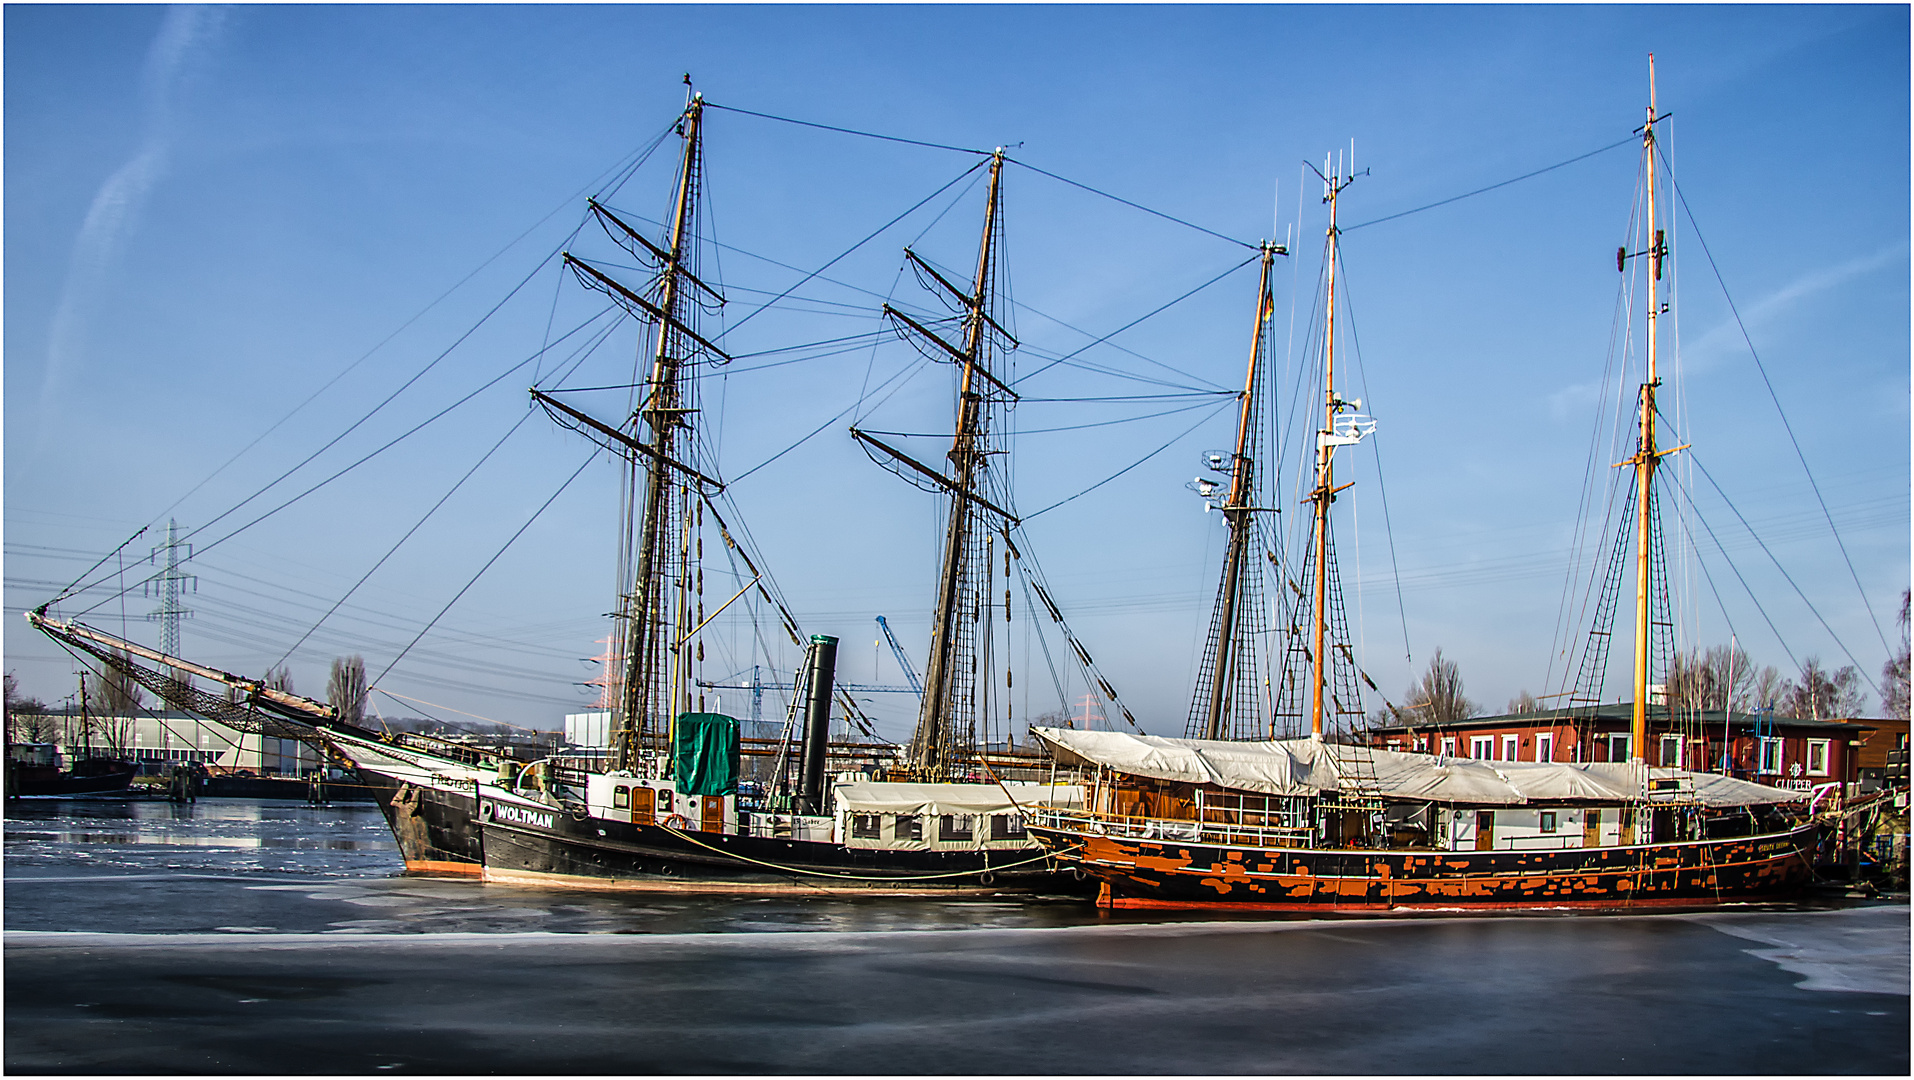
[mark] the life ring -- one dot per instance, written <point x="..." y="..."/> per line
<point x="679" y="822"/>
<point x="986" y="879"/>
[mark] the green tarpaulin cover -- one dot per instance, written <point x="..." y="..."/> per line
<point x="704" y="754"/>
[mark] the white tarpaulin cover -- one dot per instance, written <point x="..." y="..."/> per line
<point x="1307" y="767"/>
<point x="1292" y="767"/>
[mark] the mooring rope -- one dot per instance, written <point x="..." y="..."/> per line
<point x="854" y="877"/>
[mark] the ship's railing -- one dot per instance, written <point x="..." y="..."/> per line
<point x="1133" y="827"/>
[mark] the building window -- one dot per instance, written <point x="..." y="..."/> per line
<point x="1771" y="757"/>
<point x="1671" y="751"/>
<point x="1548" y="821"/>
<point x="907" y="827"/>
<point x="1618" y="748"/>
<point x="1509" y="744"/>
<point x="955" y="827"/>
<point x="1545" y="746"/>
<point x="1395" y="744"/>
<point x="1482" y="747"/>
<point x="1448" y="748"/>
<point x="1818" y="757"/>
<point x="864" y="826"/>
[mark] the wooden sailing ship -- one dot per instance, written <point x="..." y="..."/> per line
<point x="664" y="810"/>
<point x="1288" y="818"/>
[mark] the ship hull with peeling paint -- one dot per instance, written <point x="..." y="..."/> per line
<point x="1142" y="872"/>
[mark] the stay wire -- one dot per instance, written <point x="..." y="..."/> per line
<point x="1179" y="437"/>
<point x="848" y="131"/>
<point x="589" y="458"/>
<point x="890" y="298"/>
<point x="1132" y="205"/>
<point x="1784" y="573"/>
<point x="814" y="432"/>
<point x="1776" y="398"/>
<point x="1710" y="530"/>
<point x="638" y="159"/>
<point x="1375" y="447"/>
<point x="981" y="153"/>
<point x="403" y="387"/>
<point x="495" y="380"/>
<point x="71" y="588"/>
<point x="1492" y="187"/>
<point x="1072" y="355"/>
<point x="1720" y="605"/>
<point x="801" y="282"/>
<point x="394" y="550"/>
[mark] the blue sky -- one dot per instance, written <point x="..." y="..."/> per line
<point x="212" y="212"/>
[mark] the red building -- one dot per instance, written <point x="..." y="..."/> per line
<point x="1776" y="750"/>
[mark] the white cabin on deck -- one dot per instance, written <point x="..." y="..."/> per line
<point x="943" y="817"/>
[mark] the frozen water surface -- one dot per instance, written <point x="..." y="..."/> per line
<point x="232" y="936"/>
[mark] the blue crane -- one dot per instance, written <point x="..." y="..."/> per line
<point x="903" y="661"/>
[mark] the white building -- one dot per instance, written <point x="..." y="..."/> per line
<point x="159" y="739"/>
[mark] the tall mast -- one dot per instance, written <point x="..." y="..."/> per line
<point x="649" y="635"/>
<point x="929" y="756"/>
<point x="1325" y="491"/>
<point x="1237" y="511"/>
<point x="1645" y="453"/>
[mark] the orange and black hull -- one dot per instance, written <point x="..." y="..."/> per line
<point x="437" y="830"/>
<point x="1172" y="874"/>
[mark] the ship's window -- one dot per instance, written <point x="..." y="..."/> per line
<point x="1006" y="827"/>
<point x="865" y="826"/>
<point x="955" y="827"/>
<point x="1770" y="755"/>
<point x="1817" y="757"/>
<point x="621" y="796"/>
<point x="907" y="827"/>
<point x="1548" y="820"/>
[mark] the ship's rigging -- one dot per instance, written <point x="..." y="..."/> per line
<point x="1319" y="689"/>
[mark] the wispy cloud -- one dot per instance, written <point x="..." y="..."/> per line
<point x="1724" y="339"/>
<point x="1573" y="399"/>
<point x="184" y="33"/>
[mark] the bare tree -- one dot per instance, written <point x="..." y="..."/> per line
<point x="113" y="699"/>
<point x="27" y="719"/>
<point x="346" y="688"/>
<point x="1821" y="695"/>
<point x="1701" y="680"/>
<point x="279" y="678"/>
<point x="1894" y="673"/>
<point x="1438" y="698"/>
<point x="1770" y="689"/>
<point x="1522" y="704"/>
